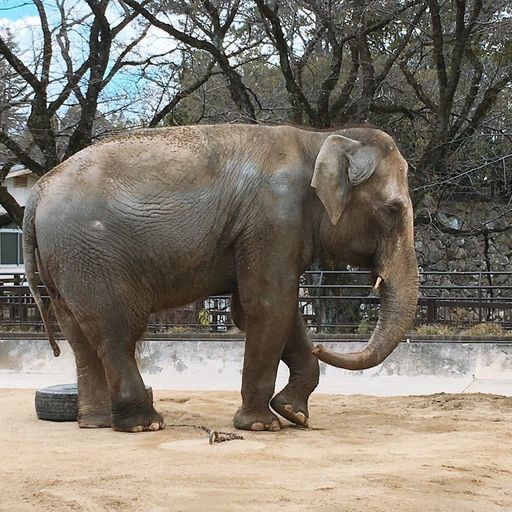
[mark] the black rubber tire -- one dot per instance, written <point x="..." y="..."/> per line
<point x="60" y="402"/>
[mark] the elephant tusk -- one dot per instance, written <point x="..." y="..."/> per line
<point x="377" y="283"/>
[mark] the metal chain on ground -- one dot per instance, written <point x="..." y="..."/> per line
<point x="214" y="436"/>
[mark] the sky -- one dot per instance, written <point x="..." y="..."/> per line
<point x="17" y="9"/>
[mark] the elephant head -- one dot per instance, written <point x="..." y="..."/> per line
<point x="360" y="178"/>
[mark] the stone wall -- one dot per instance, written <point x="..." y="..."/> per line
<point x="465" y="238"/>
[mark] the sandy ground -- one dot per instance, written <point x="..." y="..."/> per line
<point x="429" y="453"/>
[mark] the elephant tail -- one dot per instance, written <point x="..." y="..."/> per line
<point x="33" y="263"/>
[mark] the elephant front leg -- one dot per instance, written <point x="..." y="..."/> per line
<point x="292" y="402"/>
<point x="267" y="324"/>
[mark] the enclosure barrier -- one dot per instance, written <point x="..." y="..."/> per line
<point x="330" y="301"/>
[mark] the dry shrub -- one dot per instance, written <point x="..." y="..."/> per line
<point x="435" y="330"/>
<point x="486" y="329"/>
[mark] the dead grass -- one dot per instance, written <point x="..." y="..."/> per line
<point x="478" y="330"/>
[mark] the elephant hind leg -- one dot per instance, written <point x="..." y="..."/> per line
<point x="93" y="392"/>
<point x="292" y="401"/>
<point x="116" y="335"/>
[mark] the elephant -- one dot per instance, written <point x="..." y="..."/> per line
<point x="158" y="218"/>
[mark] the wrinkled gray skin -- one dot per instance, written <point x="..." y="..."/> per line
<point x="159" y="218"/>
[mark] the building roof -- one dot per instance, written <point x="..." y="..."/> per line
<point x="18" y="170"/>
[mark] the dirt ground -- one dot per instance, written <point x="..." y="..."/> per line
<point x="429" y="453"/>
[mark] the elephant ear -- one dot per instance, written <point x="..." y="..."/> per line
<point x="341" y="164"/>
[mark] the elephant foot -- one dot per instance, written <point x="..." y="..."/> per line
<point x="94" y="417"/>
<point x="99" y="421"/>
<point x="250" y="419"/>
<point x="144" y="419"/>
<point x="291" y="407"/>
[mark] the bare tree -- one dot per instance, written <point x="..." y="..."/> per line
<point x="345" y="91"/>
<point x="465" y="42"/>
<point x="210" y="23"/>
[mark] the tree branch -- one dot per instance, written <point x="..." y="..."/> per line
<point x="437" y="37"/>
<point x="297" y="98"/>
<point x="47" y="43"/>
<point x="417" y="88"/>
<point x="472" y="94"/>
<point x="182" y="94"/>
<point x="19" y="67"/>
<point x="22" y="156"/>
<point x="236" y="87"/>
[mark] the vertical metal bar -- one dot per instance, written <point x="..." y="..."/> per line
<point x="431" y="310"/>
<point x="480" y="298"/>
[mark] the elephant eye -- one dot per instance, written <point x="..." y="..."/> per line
<point x="395" y="206"/>
<point x="391" y="213"/>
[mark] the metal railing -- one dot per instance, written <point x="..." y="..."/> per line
<point x="330" y="301"/>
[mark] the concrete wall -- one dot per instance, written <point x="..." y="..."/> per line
<point x="414" y="368"/>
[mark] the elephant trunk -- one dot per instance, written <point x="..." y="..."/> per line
<point x="399" y="297"/>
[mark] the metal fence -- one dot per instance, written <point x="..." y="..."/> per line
<point x="330" y="301"/>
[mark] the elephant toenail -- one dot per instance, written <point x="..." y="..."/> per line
<point x="258" y="426"/>
<point x="275" y="426"/>
<point x="301" y="417"/>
